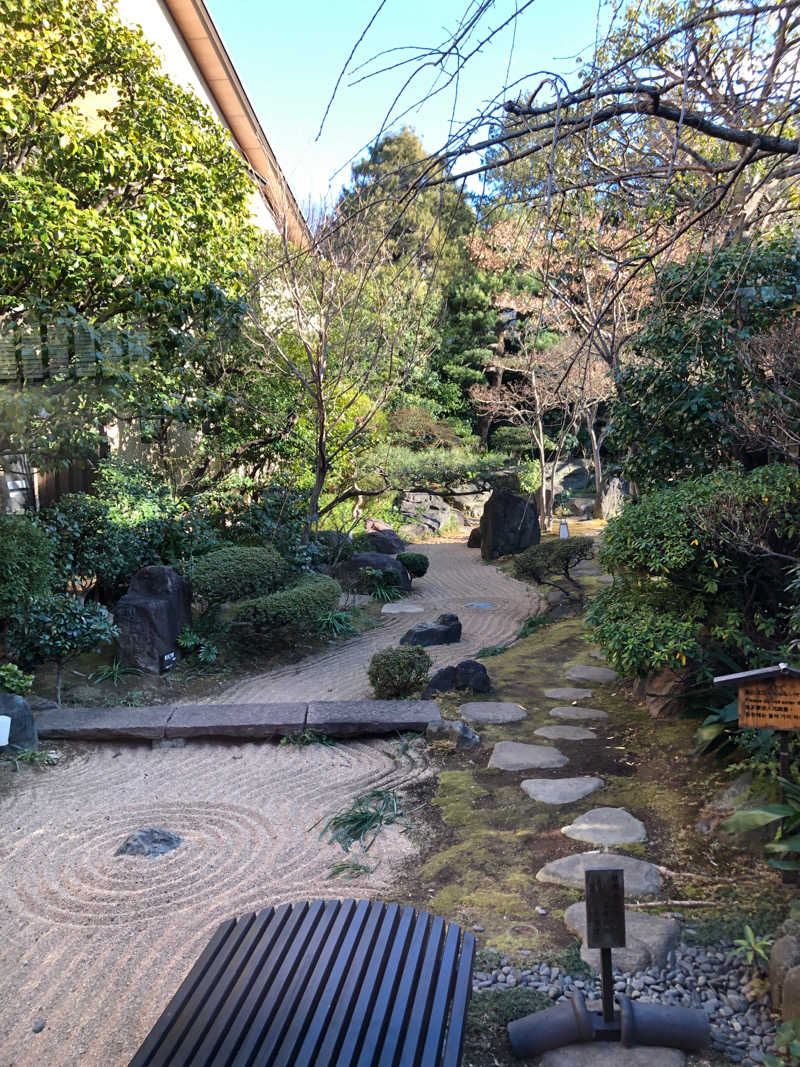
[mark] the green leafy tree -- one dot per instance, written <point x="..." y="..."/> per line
<point x="58" y="628"/>
<point x="26" y="567"/>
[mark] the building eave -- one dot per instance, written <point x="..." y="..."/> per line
<point x="202" y="40"/>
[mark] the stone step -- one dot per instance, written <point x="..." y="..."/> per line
<point x="517" y="756"/>
<point x="648" y="939"/>
<point x="491" y="711"/>
<point x="246" y="721"/>
<point x="611" y="1054"/>
<point x="607" y="826"/>
<point x="560" y="790"/>
<point x="642" y="879"/>
<point x="566" y="733"/>
<point x="568" y="693"/>
<point x="587" y="672"/>
<point x="577" y="714"/>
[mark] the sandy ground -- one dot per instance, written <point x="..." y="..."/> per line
<point x="455" y="579"/>
<point x="95" y="944"/>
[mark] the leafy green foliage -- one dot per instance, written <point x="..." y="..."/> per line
<point x="333" y="546"/>
<point x="441" y="467"/>
<point x="13" y="680"/>
<point x="235" y="572"/>
<point x="533" y="624"/>
<point x="381" y="585"/>
<point x="364" y="819"/>
<point x="307" y="737"/>
<point x="58" y="628"/>
<point x="416" y="563"/>
<point x="26" y="566"/>
<point x="706" y="565"/>
<point x="361" y="542"/>
<point x="398" y="672"/>
<point x="679" y="405"/>
<point x="289" y="613"/>
<point x="336" y="624"/>
<point x="718" y="731"/>
<point x="112" y="672"/>
<point x="32" y="757"/>
<point x="198" y="645"/>
<point x="784" y="851"/>
<point x="752" y="949"/>
<point x="552" y="557"/>
<point x="350" y="869"/>
<point x="787" y="1041"/>
<point x="275" y="515"/>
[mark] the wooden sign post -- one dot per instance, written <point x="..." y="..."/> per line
<point x="769" y="699"/>
<point x="605" y="924"/>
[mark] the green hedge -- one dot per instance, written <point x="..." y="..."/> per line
<point x="236" y="572"/>
<point x="398" y="672"/>
<point x="298" y="611"/>
<point x="416" y="563"/>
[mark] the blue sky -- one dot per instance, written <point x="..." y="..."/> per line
<point x="289" y="54"/>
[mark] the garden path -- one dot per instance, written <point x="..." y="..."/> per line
<point x="456" y="579"/>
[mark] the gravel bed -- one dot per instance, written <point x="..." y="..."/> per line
<point x="742" y="1025"/>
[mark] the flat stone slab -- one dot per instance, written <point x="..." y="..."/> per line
<point x="346" y="718"/>
<point x="492" y="711"/>
<point x="517" y="756"/>
<point x="607" y="826"/>
<point x="560" y="790"/>
<point x="568" y="693"/>
<point x="611" y="1054"/>
<point x="482" y="605"/>
<point x="236" y="720"/>
<point x="571" y="712"/>
<point x="642" y="879"/>
<point x="588" y="672"/>
<point x="648" y="939"/>
<point x="401" y="608"/>
<point x="566" y="733"/>
<point x="104" y="724"/>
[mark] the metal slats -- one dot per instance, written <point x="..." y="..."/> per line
<point x="321" y="983"/>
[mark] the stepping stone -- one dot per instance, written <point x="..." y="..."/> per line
<point x="585" y="672"/>
<point x="516" y="756"/>
<point x="571" y="712"/>
<point x="568" y="693"/>
<point x="611" y="1054"/>
<point x="642" y="879"/>
<point x="566" y="733"/>
<point x="401" y="608"/>
<point x="483" y="605"/>
<point x="346" y="718"/>
<point x="649" y="938"/>
<point x="607" y="826"/>
<point x="560" y="790"/>
<point x="492" y="711"/>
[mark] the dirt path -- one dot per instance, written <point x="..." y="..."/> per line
<point x="95" y="944"/>
<point x="456" y="578"/>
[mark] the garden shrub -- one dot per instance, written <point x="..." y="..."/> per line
<point x="13" y="680"/>
<point x="332" y="546"/>
<point x="708" y="565"/>
<point x="362" y="542"/>
<point x="398" y="672"/>
<point x="26" y="564"/>
<point x="416" y="563"/>
<point x="276" y="516"/>
<point x="295" y="612"/>
<point x="552" y="557"/>
<point x="236" y="572"/>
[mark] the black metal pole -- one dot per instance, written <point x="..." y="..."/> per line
<point x="608" y="985"/>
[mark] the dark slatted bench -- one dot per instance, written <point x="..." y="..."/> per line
<point x="322" y="983"/>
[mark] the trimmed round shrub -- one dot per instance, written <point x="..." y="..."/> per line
<point x="552" y="557"/>
<point x="298" y="611"/>
<point x="398" y="672"/>
<point x="236" y="572"/>
<point x="414" y="562"/>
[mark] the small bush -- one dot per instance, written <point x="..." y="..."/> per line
<point x="236" y="572"/>
<point x="332" y="546"/>
<point x="397" y="672"/>
<point x="26" y="567"/>
<point x="298" y="611"/>
<point x="381" y="585"/>
<point x="362" y="542"/>
<point x="414" y="562"/>
<point x="13" y="680"/>
<point x="552" y="557"/>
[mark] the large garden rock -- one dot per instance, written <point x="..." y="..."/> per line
<point x="509" y="524"/>
<point x="383" y="538"/>
<point x="648" y="939"/>
<point x="151" y="615"/>
<point x="664" y="693"/>
<point x="475" y="538"/>
<point x="612" y="497"/>
<point x="642" y="879"/>
<point x="785" y="955"/>
<point x="470" y="498"/>
<point x="429" y="511"/>
<point x="348" y="571"/>
<point x="22" y="733"/>
<point x="469" y="674"/>
<point x="446" y="630"/>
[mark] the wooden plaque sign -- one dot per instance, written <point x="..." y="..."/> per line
<point x="770" y="702"/>
<point x="605" y="908"/>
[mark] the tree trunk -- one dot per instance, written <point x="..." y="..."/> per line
<point x="598" y="469"/>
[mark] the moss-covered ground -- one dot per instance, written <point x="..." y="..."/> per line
<point x="487" y="838"/>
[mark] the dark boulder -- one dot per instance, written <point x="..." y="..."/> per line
<point x="469" y="674"/>
<point x="474" y="540"/>
<point x="348" y="571"/>
<point x="150" y="616"/>
<point x="446" y="630"/>
<point x="22" y="733"/>
<point x="509" y="524"/>
<point x="151" y="842"/>
<point x="443" y="681"/>
<point x="386" y="541"/>
<point x="429" y="511"/>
